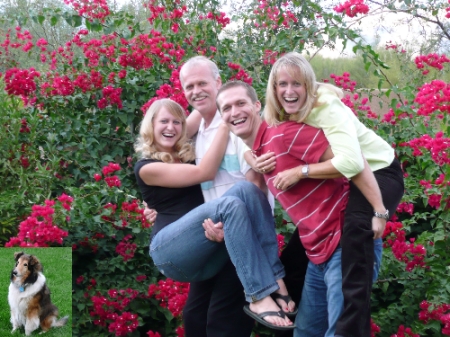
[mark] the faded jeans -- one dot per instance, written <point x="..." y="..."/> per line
<point x="182" y="252"/>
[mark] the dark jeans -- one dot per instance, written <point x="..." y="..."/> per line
<point x="214" y="307"/>
<point x="357" y="251"/>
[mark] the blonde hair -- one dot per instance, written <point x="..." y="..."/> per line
<point x="300" y="70"/>
<point x="145" y="145"/>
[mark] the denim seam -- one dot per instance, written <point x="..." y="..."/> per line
<point x="262" y="293"/>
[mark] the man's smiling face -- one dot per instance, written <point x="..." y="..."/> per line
<point x="200" y="87"/>
<point x="239" y="112"/>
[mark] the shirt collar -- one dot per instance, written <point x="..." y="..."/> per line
<point x="214" y="123"/>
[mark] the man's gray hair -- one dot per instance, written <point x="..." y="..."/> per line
<point x="200" y="60"/>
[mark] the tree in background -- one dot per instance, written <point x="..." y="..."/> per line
<point x="77" y="77"/>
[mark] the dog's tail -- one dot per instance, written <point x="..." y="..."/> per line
<point x="60" y="322"/>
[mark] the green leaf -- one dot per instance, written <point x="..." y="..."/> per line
<point x="54" y="20"/>
<point x="124" y="118"/>
<point x="97" y="218"/>
<point x="96" y="26"/>
<point x="380" y="84"/>
<point x="73" y="20"/>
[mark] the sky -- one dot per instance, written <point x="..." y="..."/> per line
<point x="391" y="30"/>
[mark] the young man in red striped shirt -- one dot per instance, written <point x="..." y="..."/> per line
<point x="316" y="206"/>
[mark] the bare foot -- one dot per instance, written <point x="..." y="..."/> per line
<point x="268" y="304"/>
<point x="286" y="307"/>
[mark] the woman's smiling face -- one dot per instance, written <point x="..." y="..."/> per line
<point x="167" y="130"/>
<point x="291" y="94"/>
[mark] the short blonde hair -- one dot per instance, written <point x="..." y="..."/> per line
<point x="145" y="144"/>
<point x="199" y="61"/>
<point x="300" y="70"/>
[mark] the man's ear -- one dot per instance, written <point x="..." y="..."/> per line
<point x="218" y="82"/>
<point x="258" y="107"/>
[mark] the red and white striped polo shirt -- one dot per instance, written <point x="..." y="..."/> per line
<point x="315" y="206"/>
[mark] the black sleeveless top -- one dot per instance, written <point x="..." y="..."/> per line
<point x="170" y="203"/>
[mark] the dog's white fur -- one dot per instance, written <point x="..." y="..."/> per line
<point x="18" y="302"/>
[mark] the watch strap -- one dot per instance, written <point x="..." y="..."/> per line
<point x="384" y="215"/>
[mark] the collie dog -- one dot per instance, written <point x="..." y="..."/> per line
<point x="29" y="297"/>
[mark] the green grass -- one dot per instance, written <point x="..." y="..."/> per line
<point x="57" y="263"/>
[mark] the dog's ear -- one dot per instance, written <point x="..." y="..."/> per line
<point x="17" y="255"/>
<point x="34" y="263"/>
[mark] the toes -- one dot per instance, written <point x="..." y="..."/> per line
<point x="291" y="306"/>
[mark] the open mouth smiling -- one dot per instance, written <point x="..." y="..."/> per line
<point x="168" y="135"/>
<point x="290" y="99"/>
<point x="199" y="98"/>
<point x="238" y="121"/>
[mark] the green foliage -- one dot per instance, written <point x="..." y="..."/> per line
<point x="21" y="187"/>
<point x="97" y="261"/>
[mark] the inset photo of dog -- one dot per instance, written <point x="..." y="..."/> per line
<point x="39" y="293"/>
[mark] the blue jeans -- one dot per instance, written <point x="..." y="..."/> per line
<point x="182" y="252"/>
<point x="322" y="300"/>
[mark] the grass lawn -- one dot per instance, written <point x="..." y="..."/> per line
<point x="57" y="263"/>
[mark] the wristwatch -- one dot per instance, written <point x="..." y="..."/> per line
<point x="384" y="215"/>
<point x="305" y="171"/>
